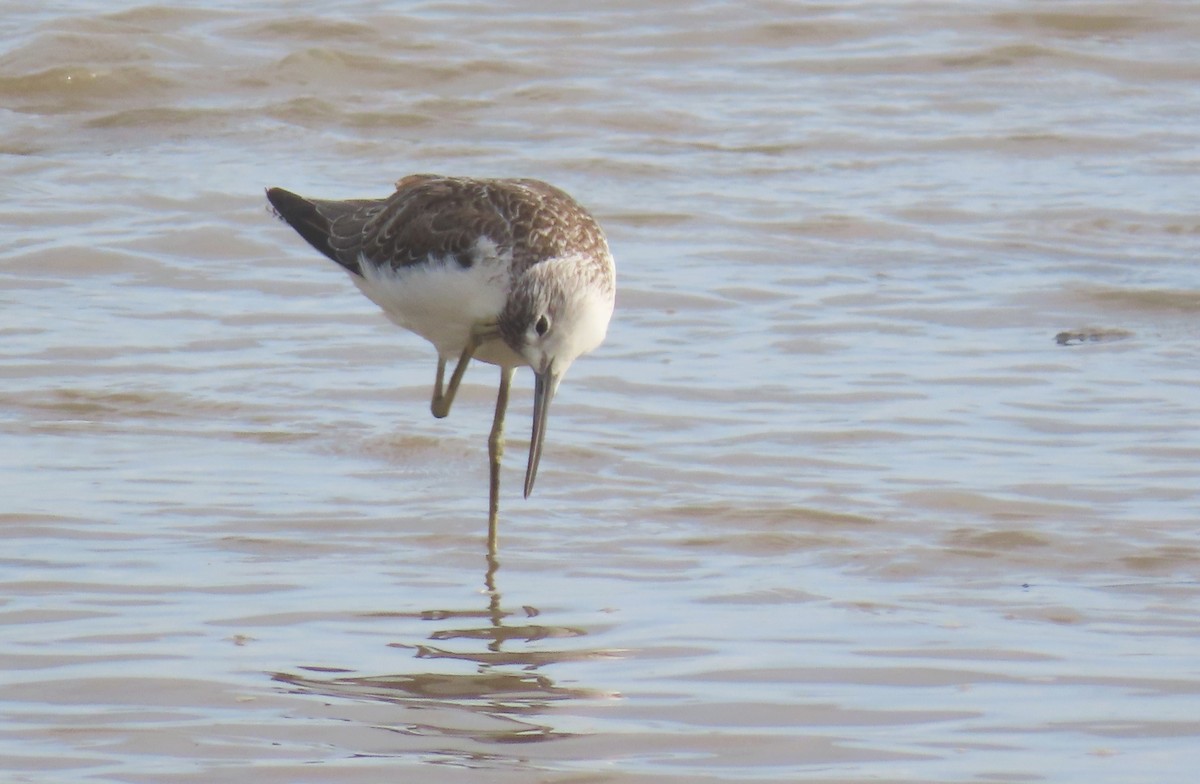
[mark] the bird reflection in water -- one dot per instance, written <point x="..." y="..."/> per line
<point x="496" y="702"/>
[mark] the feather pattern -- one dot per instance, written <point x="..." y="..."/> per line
<point x="443" y="218"/>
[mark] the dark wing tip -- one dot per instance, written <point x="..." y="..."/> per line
<point x="308" y="220"/>
<point x="287" y="204"/>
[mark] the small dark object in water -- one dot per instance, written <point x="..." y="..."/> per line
<point x="1091" y="335"/>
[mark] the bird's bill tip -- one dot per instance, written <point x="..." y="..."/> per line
<point x="543" y="393"/>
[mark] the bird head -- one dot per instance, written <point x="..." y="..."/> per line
<point x="556" y="311"/>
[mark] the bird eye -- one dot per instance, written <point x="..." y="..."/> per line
<point x="542" y="326"/>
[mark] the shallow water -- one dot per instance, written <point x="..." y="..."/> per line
<point x="889" y="469"/>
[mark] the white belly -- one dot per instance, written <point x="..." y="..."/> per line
<point x="440" y="301"/>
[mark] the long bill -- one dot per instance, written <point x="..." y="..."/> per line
<point x="543" y="392"/>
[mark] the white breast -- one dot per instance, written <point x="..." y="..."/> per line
<point x="441" y="300"/>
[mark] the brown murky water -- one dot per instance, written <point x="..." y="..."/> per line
<point x="888" y="471"/>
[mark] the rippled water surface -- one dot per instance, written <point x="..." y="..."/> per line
<point x="889" y="469"/>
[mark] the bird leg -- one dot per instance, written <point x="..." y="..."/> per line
<point x="495" y="452"/>
<point x="480" y="334"/>
<point x="440" y="405"/>
<point x="435" y="405"/>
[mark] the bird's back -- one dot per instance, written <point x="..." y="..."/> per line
<point x="442" y="219"/>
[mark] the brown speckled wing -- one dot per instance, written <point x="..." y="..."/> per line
<point x="444" y="217"/>
<point x="430" y="216"/>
